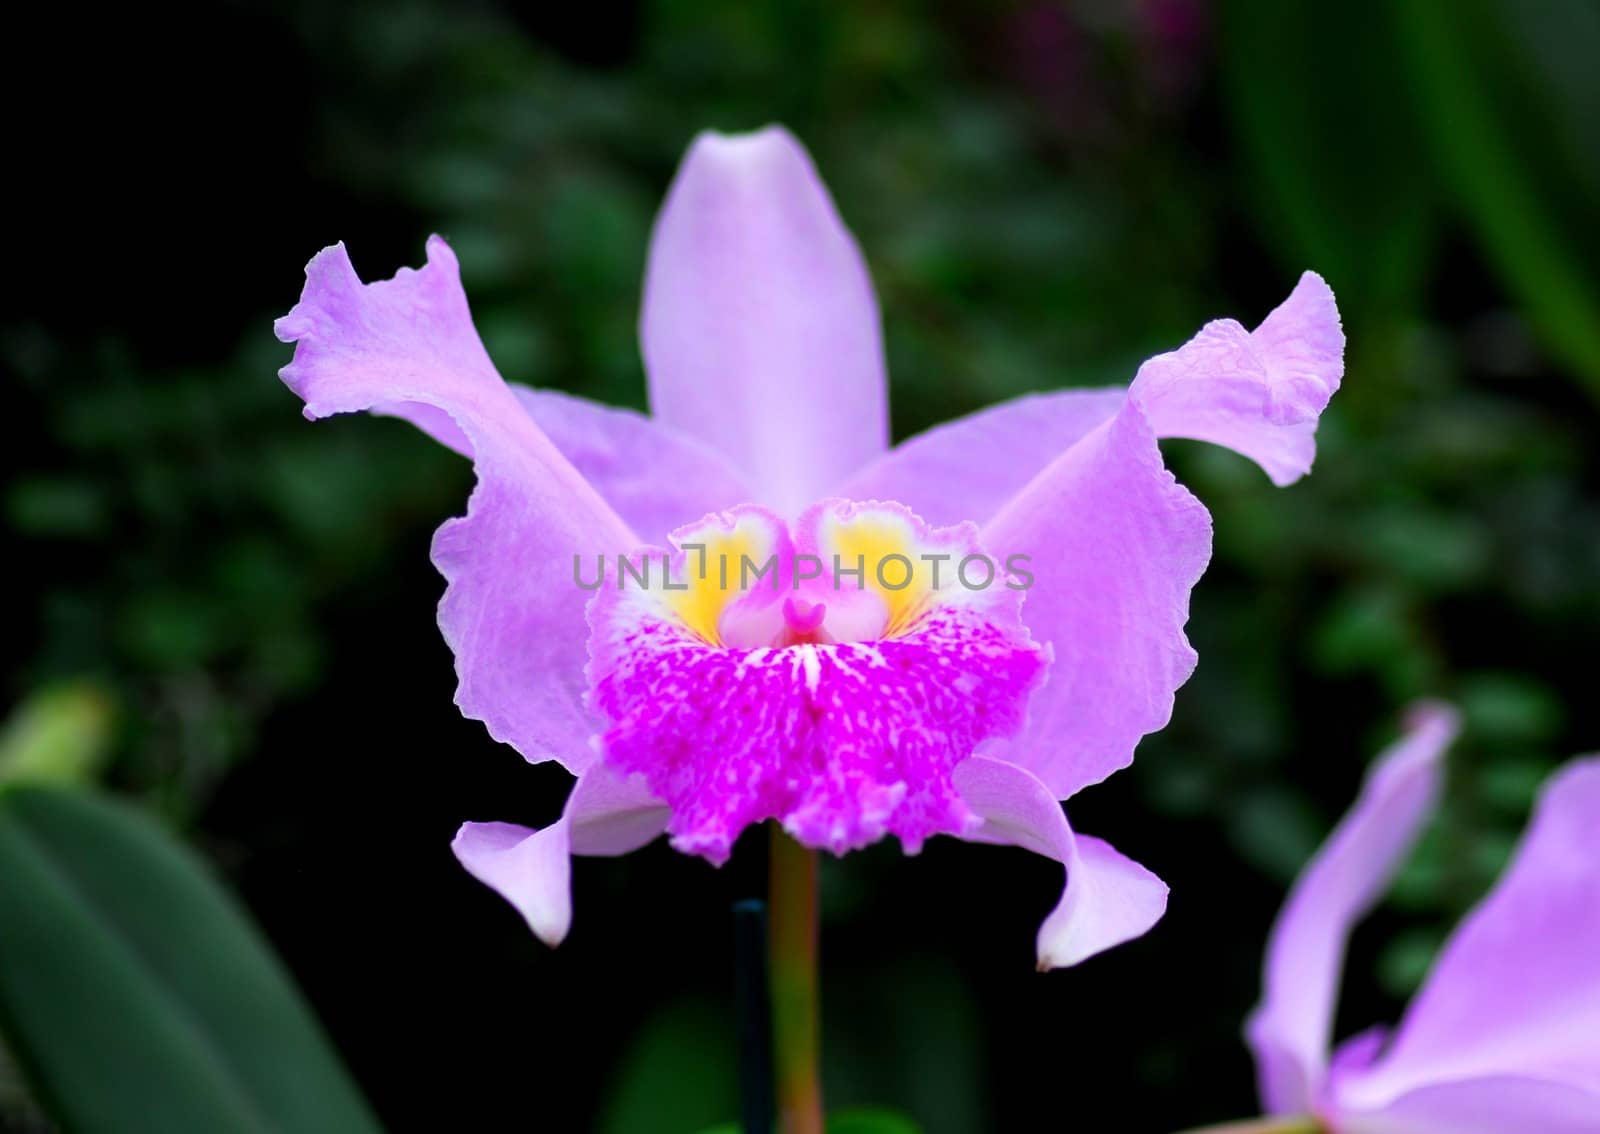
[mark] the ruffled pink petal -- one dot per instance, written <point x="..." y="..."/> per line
<point x="1108" y="898"/>
<point x="606" y="814"/>
<point x="966" y="469"/>
<point x="1116" y="544"/>
<point x="1257" y="392"/>
<point x="760" y="328"/>
<point x="846" y="725"/>
<point x="1516" y="991"/>
<point x="510" y="611"/>
<point x="1291" y="1029"/>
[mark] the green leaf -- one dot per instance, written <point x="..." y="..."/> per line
<point x="871" y="1120"/>
<point x="1330" y="144"/>
<point x="681" y="1063"/>
<point x="856" y="1120"/>
<point x="1497" y="105"/>
<point x="136" y="993"/>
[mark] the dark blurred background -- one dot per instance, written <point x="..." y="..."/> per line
<point x="231" y="610"/>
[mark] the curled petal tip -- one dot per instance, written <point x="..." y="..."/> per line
<point x="329" y="270"/>
<point x="1257" y="392"/>
<point x="1108" y="898"/>
<point x="1113" y="900"/>
<point x="530" y="869"/>
<point x="1315" y="283"/>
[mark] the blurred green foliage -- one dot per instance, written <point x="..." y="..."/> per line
<point x="1046" y="194"/>
<point x="856" y="1121"/>
<point x="136" y="992"/>
<point x="61" y="734"/>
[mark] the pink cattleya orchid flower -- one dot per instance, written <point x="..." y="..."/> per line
<point x="1504" y="1035"/>
<point x="847" y="710"/>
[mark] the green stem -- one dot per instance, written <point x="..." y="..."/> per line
<point x="796" y="1037"/>
<point x="1296" y="1124"/>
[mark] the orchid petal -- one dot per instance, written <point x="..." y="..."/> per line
<point x="1493" y="1104"/>
<point x="511" y="612"/>
<point x="1291" y="1029"/>
<point x="1516" y="990"/>
<point x="1115" y="544"/>
<point x="530" y="869"/>
<point x="606" y="814"/>
<point x="654" y="477"/>
<point x="966" y="469"/>
<point x="1108" y="898"/>
<point x="760" y="329"/>
<point x="1256" y="392"/>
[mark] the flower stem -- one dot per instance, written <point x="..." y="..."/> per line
<point x="1293" y="1124"/>
<point x="796" y="1036"/>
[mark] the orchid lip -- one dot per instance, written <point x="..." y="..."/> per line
<point x="839" y="711"/>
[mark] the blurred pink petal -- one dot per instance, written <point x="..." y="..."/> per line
<point x="1492" y="1104"/>
<point x="1504" y="1036"/>
<point x="1292" y="1028"/>
<point x="1515" y="993"/>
